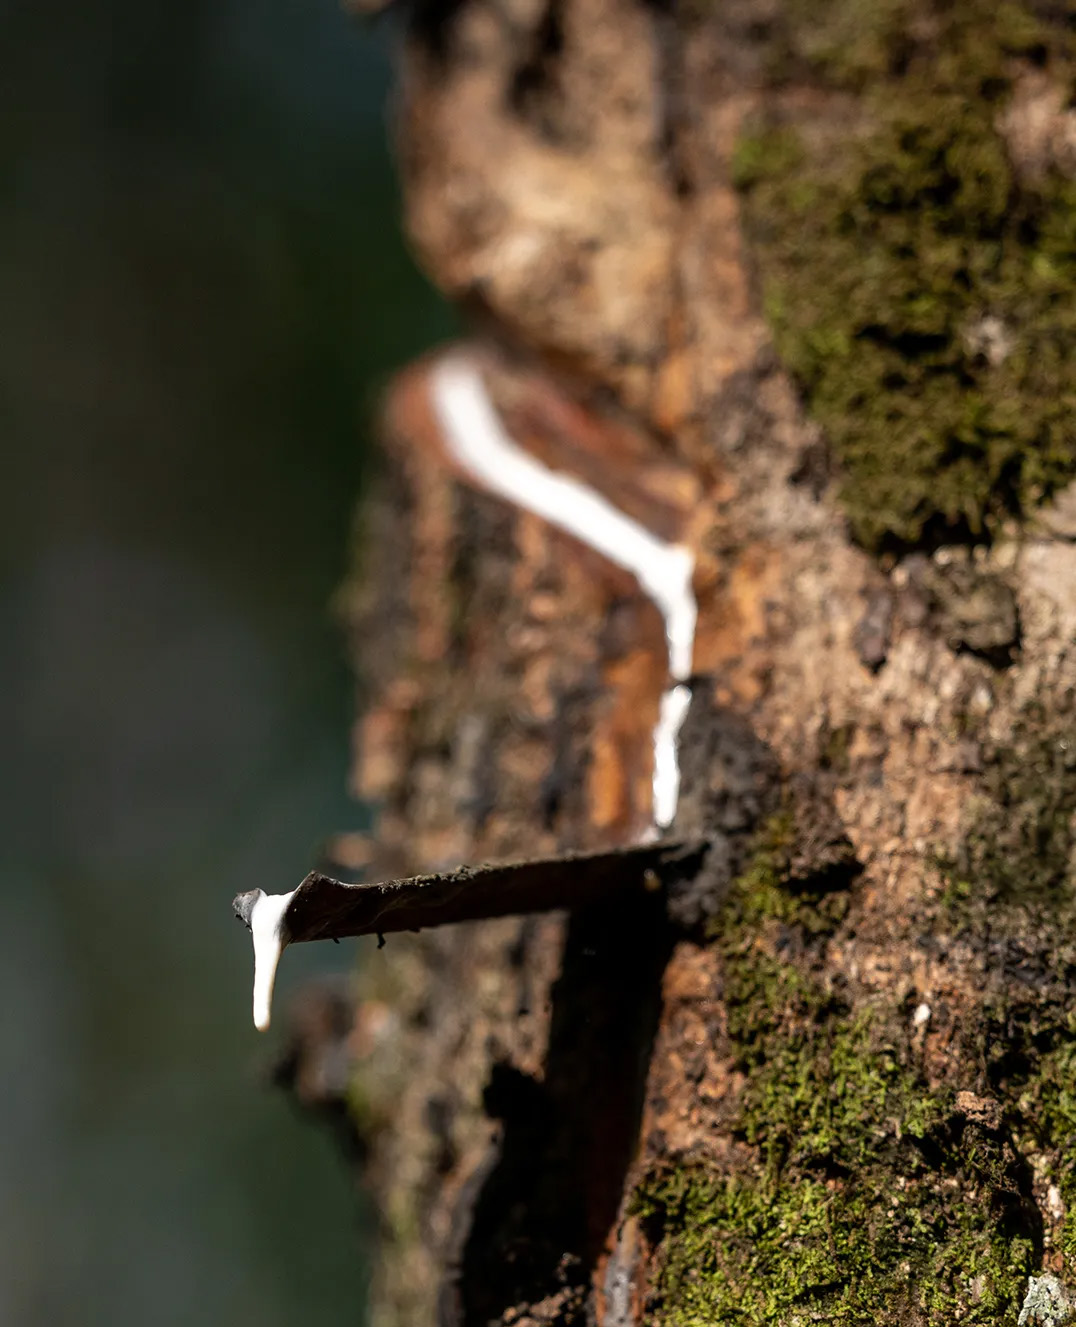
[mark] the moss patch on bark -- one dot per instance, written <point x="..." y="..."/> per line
<point x="862" y="1194"/>
<point x="1019" y="849"/>
<point x="919" y="292"/>
<point x="1012" y="892"/>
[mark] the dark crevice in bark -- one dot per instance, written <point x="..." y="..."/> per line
<point x="533" y="92"/>
<point x="730" y="784"/>
<point x="563" y="787"/>
<point x="484" y="539"/>
<point x="674" y="107"/>
<point x="431" y="27"/>
<point x="1006" y="1176"/>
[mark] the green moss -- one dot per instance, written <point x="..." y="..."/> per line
<point x="1020" y="849"/>
<point x="920" y="294"/>
<point x="860" y="1193"/>
<point x="1048" y="1105"/>
<point x="813" y="1251"/>
<point x="766" y="893"/>
<point x="1012" y="891"/>
<point x="856" y="45"/>
<point x="849" y="42"/>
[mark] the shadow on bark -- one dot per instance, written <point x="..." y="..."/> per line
<point x="543" y="1214"/>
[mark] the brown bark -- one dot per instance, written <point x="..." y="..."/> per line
<point x="528" y="1085"/>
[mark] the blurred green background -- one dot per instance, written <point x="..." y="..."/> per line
<point x="202" y="286"/>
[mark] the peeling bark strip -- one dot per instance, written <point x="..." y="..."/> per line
<point x="326" y="909"/>
<point x="322" y="908"/>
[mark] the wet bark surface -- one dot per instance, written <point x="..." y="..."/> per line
<point x="824" y="1076"/>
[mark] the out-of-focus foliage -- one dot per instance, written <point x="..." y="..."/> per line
<point x="202" y="282"/>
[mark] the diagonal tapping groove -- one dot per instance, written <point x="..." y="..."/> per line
<point x="477" y="439"/>
<point x="323" y="908"/>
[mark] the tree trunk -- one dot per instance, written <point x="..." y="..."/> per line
<point x="793" y="285"/>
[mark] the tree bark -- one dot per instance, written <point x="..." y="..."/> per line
<point x="791" y="284"/>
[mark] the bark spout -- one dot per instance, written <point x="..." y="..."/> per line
<point x="322" y="908"/>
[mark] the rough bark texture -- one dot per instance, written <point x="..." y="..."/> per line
<point x="795" y="283"/>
